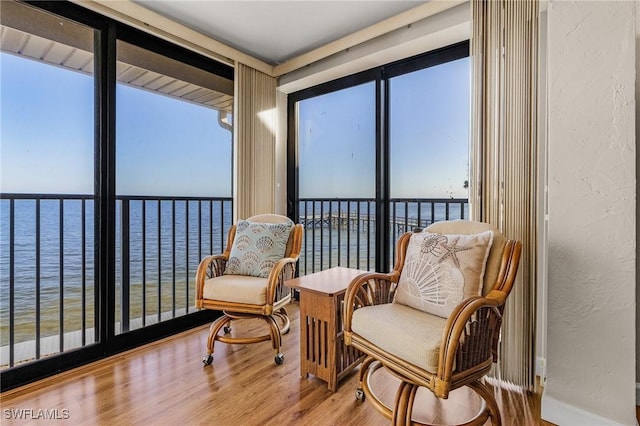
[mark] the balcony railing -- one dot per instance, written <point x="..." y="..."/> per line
<point x="47" y="266"/>
<point x="164" y="240"/>
<point x="341" y="232"/>
<point x="47" y="252"/>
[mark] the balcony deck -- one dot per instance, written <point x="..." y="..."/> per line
<point x="50" y="345"/>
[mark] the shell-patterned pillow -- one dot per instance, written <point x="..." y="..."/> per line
<point x="441" y="270"/>
<point x="257" y="247"/>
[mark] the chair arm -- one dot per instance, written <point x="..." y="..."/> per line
<point x="209" y="267"/>
<point x="469" y="334"/>
<point x="373" y="288"/>
<point x="367" y="289"/>
<point x="283" y="270"/>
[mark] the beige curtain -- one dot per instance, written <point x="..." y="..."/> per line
<point x="504" y="51"/>
<point x="255" y="142"/>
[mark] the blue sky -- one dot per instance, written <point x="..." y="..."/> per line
<point x="429" y="131"/>
<point x="171" y="147"/>
<point x="46" y="130"/>
<point x="429" y="137"/>
<point x="164" y="146"/>
<point x="337" y="144"/>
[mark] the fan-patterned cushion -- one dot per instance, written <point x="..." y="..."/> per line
<point x="257" y="247"/>
<point x="441" y="270"/>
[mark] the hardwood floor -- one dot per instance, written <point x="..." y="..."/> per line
<point x="165" y="383"/>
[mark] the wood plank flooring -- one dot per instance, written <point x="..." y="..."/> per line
<point x="165" y="383"/>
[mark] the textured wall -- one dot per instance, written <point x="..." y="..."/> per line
<point x="591" y="278"/>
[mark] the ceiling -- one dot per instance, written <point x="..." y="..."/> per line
<point x="271" y="31"/>
<point x="276" y="31"/>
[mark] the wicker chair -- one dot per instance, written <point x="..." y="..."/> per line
<point x="240" y="295"/>
<point x="426" y="350"/>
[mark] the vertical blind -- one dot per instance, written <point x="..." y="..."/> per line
<point x="504" y="52"/>
<point x="255" y="141"/>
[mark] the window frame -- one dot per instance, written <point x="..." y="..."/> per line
<point x="381" y="76"/>
<point x="106" y="32"/>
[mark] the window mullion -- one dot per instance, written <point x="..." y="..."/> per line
<point x="383" y="260"/>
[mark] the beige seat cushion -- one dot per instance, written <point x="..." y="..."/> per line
<point x="407" y="333"/>
<point x="236" y="288"/>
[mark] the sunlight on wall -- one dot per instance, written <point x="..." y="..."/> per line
<point x="268" y="118"/>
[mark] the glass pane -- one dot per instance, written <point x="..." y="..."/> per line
<point x="46" y="185"/>
<point x="337" y="169"/>
<point x="429" y="132"/>
<point x="429" y="146"/>
<point x="337" y="144"/>
<point x="173" y="176"/>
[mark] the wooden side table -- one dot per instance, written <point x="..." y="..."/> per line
<point x="322" y="349"/>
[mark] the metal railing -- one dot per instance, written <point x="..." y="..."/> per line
<point x="47" y="258"/>
<point x="342" y="232"/>
<point x="47" y="266"/>
<point x="160" y="241"/>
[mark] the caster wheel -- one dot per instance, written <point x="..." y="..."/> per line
<point x="359" y="394"/>
<point x="279" y="358"/>
<point x="207" y="360"/>
<point x="226" y="329"/>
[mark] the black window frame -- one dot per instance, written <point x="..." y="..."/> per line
<point x="381" y="75"/>
<point x="107" y="32"/>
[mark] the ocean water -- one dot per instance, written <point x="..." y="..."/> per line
<point x="163" y="257"/>
<point x="167" y="239"/>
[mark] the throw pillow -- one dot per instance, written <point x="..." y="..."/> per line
<point x="441" y="270"/>
<point x="257" y="247"/>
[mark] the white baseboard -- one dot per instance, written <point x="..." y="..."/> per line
<point x="563" y="414"/>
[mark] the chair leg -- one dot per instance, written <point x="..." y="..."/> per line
<point x="224" y="323"/>
<point x="412" y="398"/>
<point x="274" y="330"/>
<point x="403" y="406"/>
<point x="364" y="367"/>
<point x="487" y="395"/>
<point x="213" y="331"/>
<point x="276" y="338"/>
<point x="405" y="398"/>
<point x="360" y="395"/>
<point x="283" y="316"/>
<point x="370" y="366"/>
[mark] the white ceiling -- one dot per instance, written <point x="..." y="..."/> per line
<point x="276" y="31"/>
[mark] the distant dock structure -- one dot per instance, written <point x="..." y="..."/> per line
<point x="358" y="221"/>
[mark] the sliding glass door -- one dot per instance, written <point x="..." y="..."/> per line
<point x="47" y="280"/>
<point x="337" y="157"/>
<point x="115" y="180"/>
<point x="377" y="154"/>
<point x="429" y="145"/>
<point x="173" y="180"/>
